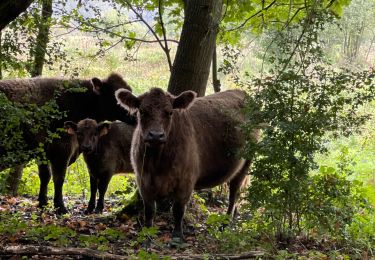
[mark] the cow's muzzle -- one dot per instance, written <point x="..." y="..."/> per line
<point x="155" y="137"/>
<point x="86" y="148"/>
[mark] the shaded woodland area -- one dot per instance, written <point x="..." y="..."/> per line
<point x="306" y="124"/>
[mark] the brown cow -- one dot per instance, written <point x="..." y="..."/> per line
<point x="79" y="99"/>
<point x="184" y="143"/>
<point x="106" y="149"/>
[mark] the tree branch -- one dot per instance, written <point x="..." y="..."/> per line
<point x="252" y="16"/>
<point x="166" y="49"/>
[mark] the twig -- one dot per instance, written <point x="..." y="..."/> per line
<point x="166" y="48"/>
<point x="99" y="29"/>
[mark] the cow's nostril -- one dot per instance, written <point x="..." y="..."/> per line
<point x="86" y="147"/>
<point x="156" y="135"/>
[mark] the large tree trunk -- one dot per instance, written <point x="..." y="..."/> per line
<point x="191" y="67"/>
<point x="11" y="9"/>
<point x="39" y="52"/>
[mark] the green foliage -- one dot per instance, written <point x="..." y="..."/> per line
<point x="215" y="222"/>
<point x="147" y="233"/>
<point x="18" y="45"/>
<point x="144" y="255"/>
<point x="11" y="224"/>
<point x="100" y="242"/>
<point x="19" y="122"/>
<point x="301" y="103"/>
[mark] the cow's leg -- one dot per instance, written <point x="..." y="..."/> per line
<point x="234" y="188"/>
<point x="13" y="179"/>
<point x="178" y="215"/>
<point x="58" y="173"/>
<point x="149" y="206"/>
<point x="103" y="185"/>
<point x="93" y="191"/>
<point x="45" y="177"/>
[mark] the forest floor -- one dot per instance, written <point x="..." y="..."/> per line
<point x="25" y="230"/>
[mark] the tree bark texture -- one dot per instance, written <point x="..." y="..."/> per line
<point x="39" y="51"/>
<point x="13" y="180"/>
<point x="191" y="67"/>
<point x="11" y="9"/>
<point x="1" y="55"/>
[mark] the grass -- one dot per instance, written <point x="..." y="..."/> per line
<point x="77" y="182"/>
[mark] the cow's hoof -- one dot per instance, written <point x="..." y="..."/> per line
<point x="42" y="203"/>
<point x="61" y="210"/>
<point x="88" y="211"/>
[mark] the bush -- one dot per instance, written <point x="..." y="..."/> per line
<point x="303" y="102"/>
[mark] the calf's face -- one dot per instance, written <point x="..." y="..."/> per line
<point x="155" y="111"/>
<point x="88" y="132"/>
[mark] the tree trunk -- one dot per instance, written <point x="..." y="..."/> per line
<point x="11" y="9"/>
<point x="215" y="81"/>
<point x="13" y="180"/>
<point x="191" y="67"/>
<point x="39" y="52"/>
<point x="1" y="55"/>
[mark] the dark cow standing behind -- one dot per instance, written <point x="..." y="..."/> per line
<point x="95" y="99"/>
<point x="106" y="149"/>
<point x="184" y="143"/>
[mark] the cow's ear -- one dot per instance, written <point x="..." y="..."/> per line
<point x="97" y="85"/>
<point x="70" y="127"/>
<point x="184" y="100"/>
<point x="116" y="81"/>
<point x="103" y="128"/>
<point x="127" y="100"/>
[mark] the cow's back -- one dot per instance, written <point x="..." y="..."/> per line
<point x="217" y="121"/>
<point x="34" y="91"/>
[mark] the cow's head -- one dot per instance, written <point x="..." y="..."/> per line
<point x="88" y="132"/>
<point x="107" y="106"/>
<point x="155" y="111"/>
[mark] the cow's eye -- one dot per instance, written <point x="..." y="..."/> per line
<point x="169" y="113"/>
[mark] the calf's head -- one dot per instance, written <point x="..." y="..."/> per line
<point x="88" y="132"/>
<point x="155" y="111"/>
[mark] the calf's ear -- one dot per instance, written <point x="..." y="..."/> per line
<point x="103" y="128"/>
<point x="184" y="100"/>
<point x="127" y="100"/>
<point x="97" y="85"/>
<point x="70" y="127"/>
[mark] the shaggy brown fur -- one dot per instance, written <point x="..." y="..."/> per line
<point x="185" y="143"/>
<point x="97" y="101"/>
<point x="106" y="149"/>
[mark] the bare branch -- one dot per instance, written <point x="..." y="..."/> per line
<point x="106" y="30"/>
<point x="166" y="48"/>
<point x="158" y="40"/>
